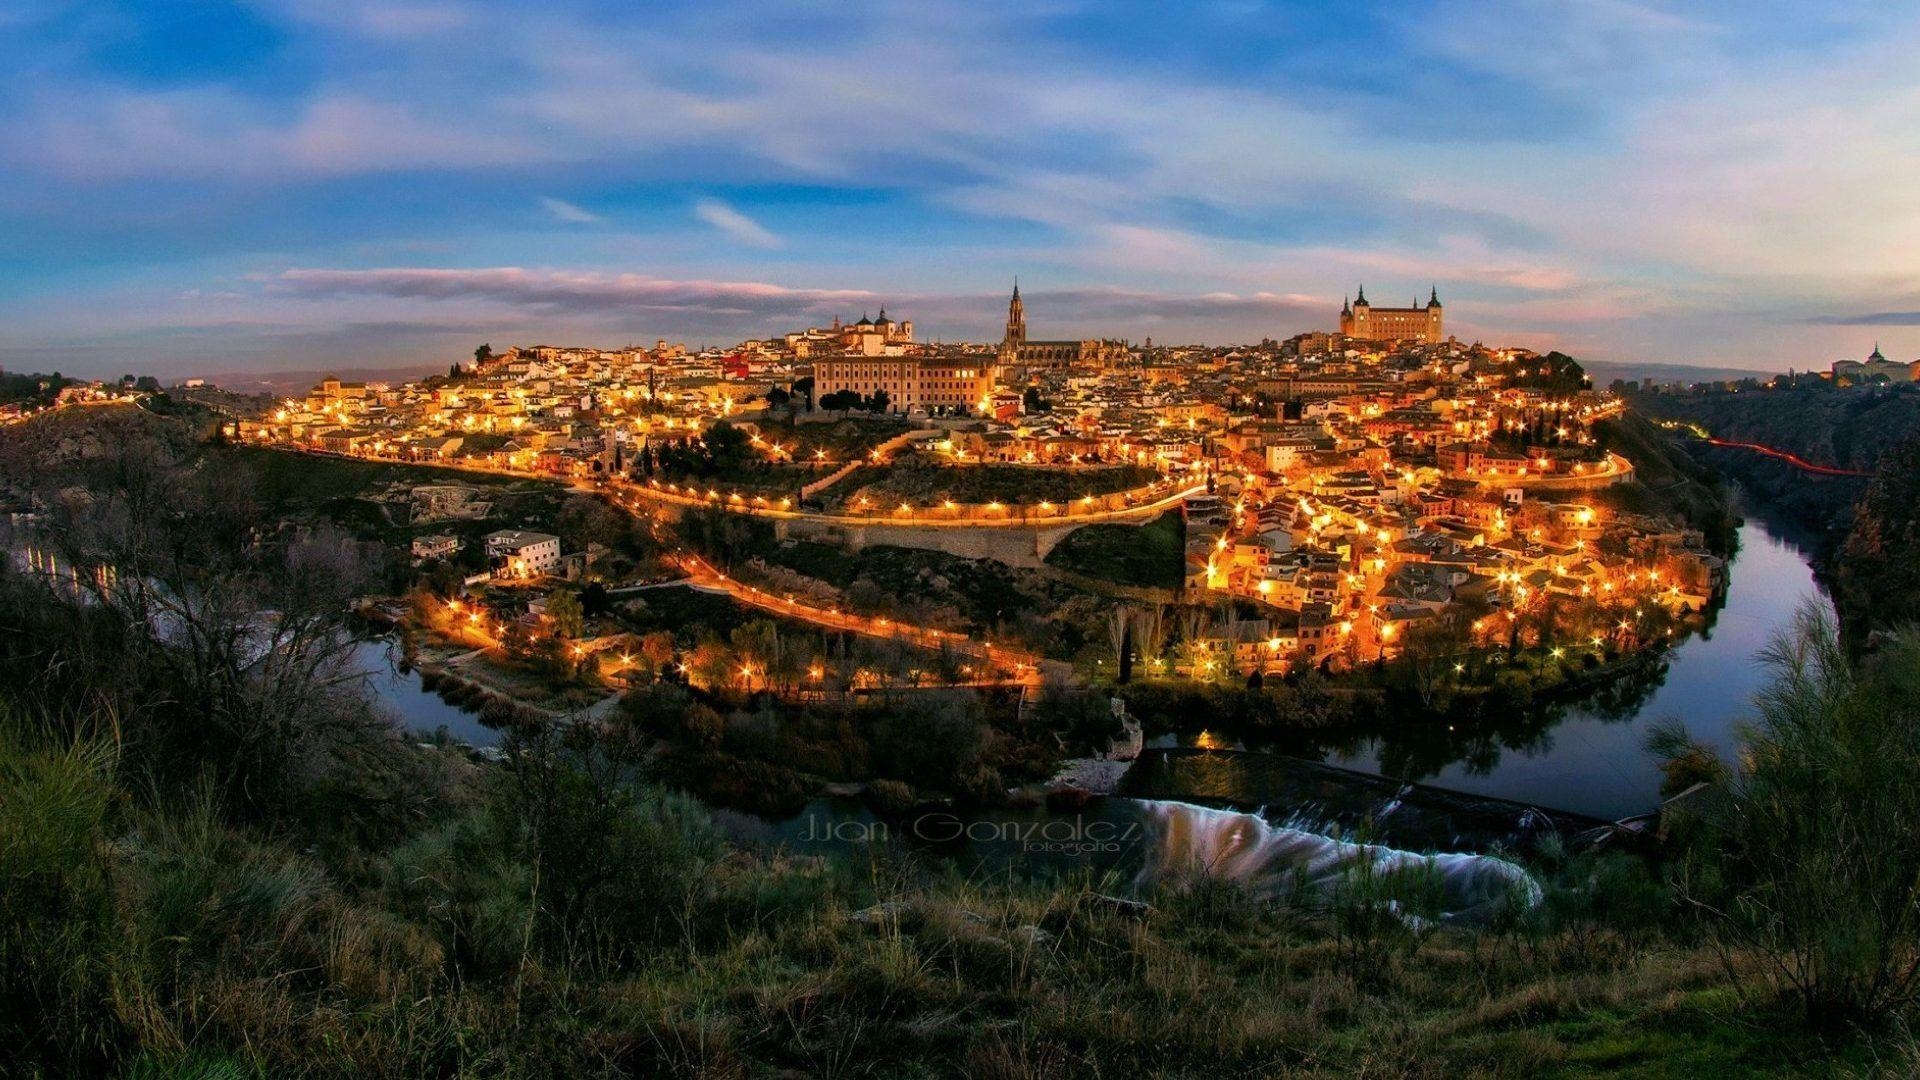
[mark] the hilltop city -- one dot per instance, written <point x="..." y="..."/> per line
<point x="1353" y="484"/>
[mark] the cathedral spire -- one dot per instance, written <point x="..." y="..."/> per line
<point x="1016" y="334"/>
<point x="1362" y="298"/>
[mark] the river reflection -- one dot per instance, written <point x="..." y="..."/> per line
<point x="419" y="710"/>
<point x="1584" y="755"/>
<point x="1587" y="755"/>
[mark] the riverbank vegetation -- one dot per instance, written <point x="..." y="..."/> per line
<point x="1800" y="854"/>
<point x="389" y="909"/>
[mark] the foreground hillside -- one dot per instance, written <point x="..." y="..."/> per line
<point x="219" y="859"/>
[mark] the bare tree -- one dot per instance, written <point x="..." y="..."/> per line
<point x="245" y="632"/>
<point x="1150" y="632"/>
<point x="1119" y="626"/>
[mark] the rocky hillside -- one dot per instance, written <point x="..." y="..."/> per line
<point x="1850" y="429"/>
<point x="1665" y="480"/>
<point x="1878" y="572"/>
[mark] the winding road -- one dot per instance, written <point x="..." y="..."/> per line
<point x="1027" y="667"/>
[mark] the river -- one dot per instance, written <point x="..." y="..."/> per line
<point x="418" y="709"/>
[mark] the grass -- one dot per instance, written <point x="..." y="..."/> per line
<point x="236" y="954"/>
<point x="552" y="916"/>
<point x="844" y="439"/>
<point x="1151" y="555"/>
<point x="290" y="479"/>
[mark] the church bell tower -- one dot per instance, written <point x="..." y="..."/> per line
<point x="1016" y="326"/>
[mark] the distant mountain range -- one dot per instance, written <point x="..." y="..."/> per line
<point x="1605" y="371"/>
<point x="284" y="383"/>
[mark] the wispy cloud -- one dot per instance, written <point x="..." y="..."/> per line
<point x="572" y="291"/>
<point x="697" y="306"/>
<point x="216" y="135"/>
<point x="1654" y="177"/>
<point x="569" y="212"/>
<point x="1876" y="318"/>
<point x="728" y="220"/>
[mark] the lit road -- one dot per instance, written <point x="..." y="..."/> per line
<point x="1026" y="666"/>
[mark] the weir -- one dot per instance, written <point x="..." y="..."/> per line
<point x="1280" y="862"/>
<point x="1336" y="802"/>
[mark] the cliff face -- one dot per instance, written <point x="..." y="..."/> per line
<point x="1850" y="429"/>
<point x="1878" y="572"/>
<point x="1868" y="531"/>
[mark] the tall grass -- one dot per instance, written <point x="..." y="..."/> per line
<point x="56" y="912"/>
<point x="1807" y="858"/>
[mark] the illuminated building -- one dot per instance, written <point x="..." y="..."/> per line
<point x="1087" y="352"/>
<point x="1362" y="320"/>
<point x="931" y="384"/>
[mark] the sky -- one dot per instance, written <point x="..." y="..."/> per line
<point x="193" y="186"/>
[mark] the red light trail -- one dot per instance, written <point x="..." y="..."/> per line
<point x="1794" y="460"/>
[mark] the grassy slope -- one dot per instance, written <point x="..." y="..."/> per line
<point x="1666" y="480"/>
<point x="921" y="482"/>
<point x="187" y="946"/>
<point x="342" y="490"/>
<point x="977" y="596"/>
<point x="294" y="479"/>
<point x="1151" y="555"/>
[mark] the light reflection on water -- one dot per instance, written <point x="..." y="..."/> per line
<point x="419" y="709"/>
<point x="1588" y="760"/>
<point x="1596" y="764"/>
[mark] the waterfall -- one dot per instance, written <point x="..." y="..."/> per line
<point x="1282" y="862"/>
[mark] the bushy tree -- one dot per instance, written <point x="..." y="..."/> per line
<point x="1807" y="857"/>
<point x="569" y="617"/>
<point x="177" y="598"/>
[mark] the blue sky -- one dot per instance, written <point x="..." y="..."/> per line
<point x="222" y="185"/>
